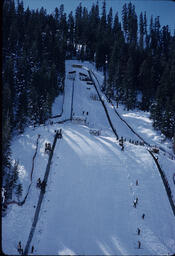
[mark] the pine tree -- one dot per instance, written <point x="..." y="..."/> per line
<point x="125" y="20"/>
<point x="103" y="17"/>
<point x="128" y="85"/>
<point x="145" y="24"/>
<point x="165" y="41"/>
<point x="109" y="23"/>
<point x="117" y="30"/>
<point x="145" y="83"/>
<point x="71" y="36"/>
<point x="78" y="24"/>
<point x="21" y="115"/>
<point x="10" y="179"/>
<point x="141" y="25"/>
<point x="93" y="24"/>
<point x="168" y="121"/>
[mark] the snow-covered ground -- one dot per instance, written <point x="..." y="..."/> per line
<point x="57" y="105"/>
<point x="88" y="204"/>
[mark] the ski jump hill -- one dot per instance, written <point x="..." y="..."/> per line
<point x="102" y="186"/>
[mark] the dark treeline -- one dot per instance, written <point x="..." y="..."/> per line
<point x="137" y="57"/>
<point x="33" y="73"/>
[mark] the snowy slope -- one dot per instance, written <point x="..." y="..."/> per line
<point x="88" y="204"/>
<point x="57" y="105"/>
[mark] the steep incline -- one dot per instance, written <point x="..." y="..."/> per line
<point x="88" y="205"/>
<point x="96" y="187"/>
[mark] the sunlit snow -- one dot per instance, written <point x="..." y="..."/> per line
<point x="88" y="204"/>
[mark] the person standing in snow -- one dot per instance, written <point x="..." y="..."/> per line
<point x="139" y="244"/>
<point x="32" y="249"/>
<point x="20" y="250"/>
<point x="138" y="231"/>
<point x="43" y="186"/>
<point x="19" y="245"/>
<point x="46" y="146"/>
<point x="39" y="183"/>
<point x="143" y="216"/>
<point x="137" y="183"/>
<point x="135" y="202"/>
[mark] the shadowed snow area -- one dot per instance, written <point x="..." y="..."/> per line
<point x="88" y="204"/>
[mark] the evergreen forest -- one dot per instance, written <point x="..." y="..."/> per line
<point x="137" y="57"/>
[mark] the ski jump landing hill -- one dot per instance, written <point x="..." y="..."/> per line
<point x="88" y="206"/>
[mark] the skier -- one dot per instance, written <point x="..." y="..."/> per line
<point x="46" y="146"/>
<point x="143" y="216"/>
<point x="137" y="183"/>
<point x="19" y="245"/>
<point x="139" y="244"/>
<point x="32" y="249"/>
<point x="43" y="186"/>
<point x="87" y="113"/>
<point x="49" y="147"/>
<point x="138" y="231"/>
<point x="135" y="202"/>
<point x="38" y="183"/>
<point x="59" y="134"/>
<point x="20" y="250"/>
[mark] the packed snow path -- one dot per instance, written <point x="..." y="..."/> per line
<point x="106" y="111"/>
<point x="88" y="205"/>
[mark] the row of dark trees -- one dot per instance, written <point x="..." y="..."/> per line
<point x="33" y="74"/>
<point x="138" y="60"/>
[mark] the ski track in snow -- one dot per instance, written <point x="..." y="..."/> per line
<point x="88" y="205"/>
